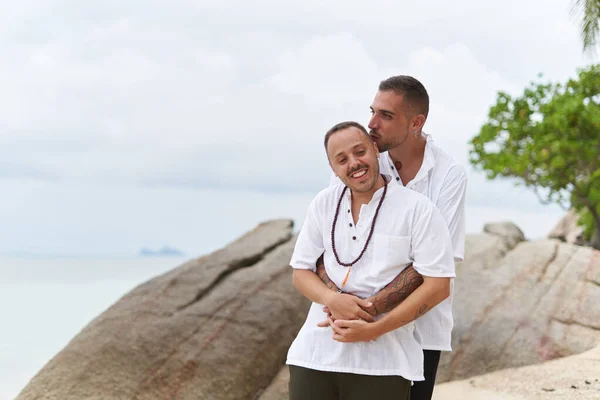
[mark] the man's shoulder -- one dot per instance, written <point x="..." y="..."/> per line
<point x="325" y="197"/>
<point x="442" y="158"/>
<point x="407" y="196"/>
<point x="446" y="166"/>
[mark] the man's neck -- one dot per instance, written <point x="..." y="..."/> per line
<point x="359" y="198"/>
<point x="411" y="153"/>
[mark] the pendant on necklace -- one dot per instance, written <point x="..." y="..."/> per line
<point x="346" y="277"/>
<point x="398" y="165"/>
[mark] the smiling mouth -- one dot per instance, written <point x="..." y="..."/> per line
<point x="359" y="174"/>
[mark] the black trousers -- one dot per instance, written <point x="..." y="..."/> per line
<point x="310" y="384"/>
<point x="423" y="390"/>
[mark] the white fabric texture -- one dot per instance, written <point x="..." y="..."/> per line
<point x="444" y="182"/>
<point x="414" y="233"/>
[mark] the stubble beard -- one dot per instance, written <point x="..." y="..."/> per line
<point x="387" y="146"/>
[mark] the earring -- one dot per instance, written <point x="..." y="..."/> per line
<point x="415" y="133"/>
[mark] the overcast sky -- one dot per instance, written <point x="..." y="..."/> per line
<point x="126" y="124"/>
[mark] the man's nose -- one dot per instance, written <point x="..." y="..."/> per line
<point x="373" y="122"/>
<point x="352" y="162"/>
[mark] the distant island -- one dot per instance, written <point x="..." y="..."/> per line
<point x="164" y="251"/>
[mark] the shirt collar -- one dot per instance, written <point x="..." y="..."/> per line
<point x="428" y="159"/>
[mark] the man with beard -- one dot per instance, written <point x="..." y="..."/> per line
<point x="366" y="240"/>
<point x="399" y="111"/>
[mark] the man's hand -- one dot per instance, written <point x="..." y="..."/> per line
<point x="353" y="331"/>
<point x="386" y="300"/>
<point x="371" y="310"/>
<point x="390" y="296"/>
<point x="346" y="306"/>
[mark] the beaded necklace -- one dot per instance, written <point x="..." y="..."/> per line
<point x="337" y="211"/>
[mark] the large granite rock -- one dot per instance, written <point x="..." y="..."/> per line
<point x="217" y="327"/>
<point x="535" y="302"/>
<point x="567" y="229"/>
<point x="278" y="389"/>
<point x="509" y="233"/>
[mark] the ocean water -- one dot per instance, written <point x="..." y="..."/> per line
<point x="45" y="301"/>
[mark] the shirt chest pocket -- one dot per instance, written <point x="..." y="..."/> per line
<point x="392" y="251"/>
<point x="391" y="254"/>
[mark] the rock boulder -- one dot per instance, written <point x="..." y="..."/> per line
<point x="535" y="303"/>
<point x="217" y="327"/>
<point x="567" y="229"/>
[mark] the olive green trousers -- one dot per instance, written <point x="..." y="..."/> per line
<point x="310" y="384"/>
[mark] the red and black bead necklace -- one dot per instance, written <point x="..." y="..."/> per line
<point x="337" y="211"/>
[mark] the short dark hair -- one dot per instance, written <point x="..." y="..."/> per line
<point x="414" y="93"/>
<point x="345" y="125"/>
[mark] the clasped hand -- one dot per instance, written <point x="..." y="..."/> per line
<point x="348" y="318"/>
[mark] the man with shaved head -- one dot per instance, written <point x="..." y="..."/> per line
<point x="367" y="231"/>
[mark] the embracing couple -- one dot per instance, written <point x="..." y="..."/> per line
<point x="376" y="256"/>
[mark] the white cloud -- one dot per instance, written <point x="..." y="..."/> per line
<point x="330" y="71"/>
<point x="234" y="94"/>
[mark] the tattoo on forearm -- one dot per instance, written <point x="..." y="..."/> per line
<point x="422" y="310"/>
<point x="323" y="275"/>
<point x="396" y="291"/>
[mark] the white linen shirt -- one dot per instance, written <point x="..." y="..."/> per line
<point x="409" y="229"/>
<point x="444" y="182"/>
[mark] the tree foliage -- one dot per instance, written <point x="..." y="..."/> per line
<point x="548" y="138"/>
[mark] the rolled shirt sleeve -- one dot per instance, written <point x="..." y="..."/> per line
<point x="309" y="245"/>
<point x="431" y="244"/>
<point x="451" y="203"/>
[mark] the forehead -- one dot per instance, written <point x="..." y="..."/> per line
<point x="387" y="100"/>
<point x="345" y="140"/>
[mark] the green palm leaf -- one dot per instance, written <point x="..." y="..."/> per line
<point x="588" y="13"/>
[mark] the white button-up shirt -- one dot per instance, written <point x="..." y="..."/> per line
<point x="409" y="229"/>
<point x="444" y="182"/>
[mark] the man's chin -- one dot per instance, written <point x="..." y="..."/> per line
<point x="361" y="188"/>
<point x="382" y="147"/>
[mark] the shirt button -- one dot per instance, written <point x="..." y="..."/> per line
<point x="351" y="225"/>
<point x="353" y="237"/>
<point x="348" y="210"/>
<point x="397" y="178"/>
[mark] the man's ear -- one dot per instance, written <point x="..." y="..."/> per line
<point x="376" y="150"/>
<point x="418" y="122"/>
